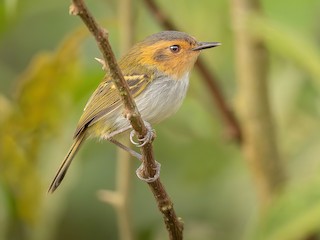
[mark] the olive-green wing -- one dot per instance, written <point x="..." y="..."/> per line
<point x="106" y="99"/>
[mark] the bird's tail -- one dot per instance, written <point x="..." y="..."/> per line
<point x="66" y="163"/>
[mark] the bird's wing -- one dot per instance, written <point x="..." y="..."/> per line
<point x="106" y="99"/>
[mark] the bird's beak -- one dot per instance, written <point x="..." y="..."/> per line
<point x="204" y="45"/>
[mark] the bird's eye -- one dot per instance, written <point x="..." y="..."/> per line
<point x="175" y="48"/>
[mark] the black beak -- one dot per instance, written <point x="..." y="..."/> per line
<point x="204" y="45"/>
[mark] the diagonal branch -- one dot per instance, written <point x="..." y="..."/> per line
<point x="210" y="80"/>
<point x="173" y="224"/>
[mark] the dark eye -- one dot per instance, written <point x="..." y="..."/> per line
<point x="175" y="48"/>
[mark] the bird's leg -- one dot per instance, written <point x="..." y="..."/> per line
<point x="110" y="138"/>
<point x="133" y="153"/>
<point x="125" y="148"/>
<point x="138" y="156"/>
<point x="147" y="138"/>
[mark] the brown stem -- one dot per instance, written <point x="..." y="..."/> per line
<point x="259" y="140"/>
<point x="174" y="226"/>
<point x="233" y="130"/>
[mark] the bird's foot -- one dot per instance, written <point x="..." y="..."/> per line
<point x="149" y="179"/>
<point x="151" y="134"/>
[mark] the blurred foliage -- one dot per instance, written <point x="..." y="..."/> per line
<point x="292" y="217"/>
<point x="44" y="88"/>
<point x="40" y="100"/>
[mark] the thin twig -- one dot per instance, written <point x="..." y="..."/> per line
<point x="173" y="224"/>
<point x="233" y="130"/>
<point x="124" y="161"/>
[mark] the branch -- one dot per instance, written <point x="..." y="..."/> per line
<point x="174" y="226"/>
<point x="233" y="130"/>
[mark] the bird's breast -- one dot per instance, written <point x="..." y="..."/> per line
<point x="162" y="98"/>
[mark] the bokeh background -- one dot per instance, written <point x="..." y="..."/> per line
<point x="48" y="71"/>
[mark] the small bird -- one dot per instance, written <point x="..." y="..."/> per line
<point x="157" y="72"/>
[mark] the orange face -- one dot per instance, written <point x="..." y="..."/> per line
<point x="172" y="57"/>
<point x="171" y="52"/>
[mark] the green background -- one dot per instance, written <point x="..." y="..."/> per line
<point x="47" y="73"/>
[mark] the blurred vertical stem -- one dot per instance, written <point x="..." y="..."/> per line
<point x="124" y="162"/>
<point x="126" y="25"/>
<point x="259" y="140"/>
<point x="120" y="199"/>
<point x="123" y="188"/>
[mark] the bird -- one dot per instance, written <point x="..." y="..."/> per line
<point x="157" y="71"/>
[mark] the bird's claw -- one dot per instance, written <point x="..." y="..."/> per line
<point x="149" y="179"/>
<point x="146" y="139"/>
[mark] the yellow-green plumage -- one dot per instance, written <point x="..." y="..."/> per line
<point x="158" y="78"/>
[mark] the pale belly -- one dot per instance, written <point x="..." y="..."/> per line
<point x="160" y="100"/>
